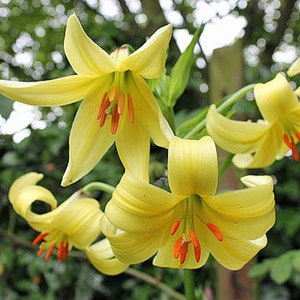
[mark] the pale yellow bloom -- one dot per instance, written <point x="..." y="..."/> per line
<point x="259" y="144"/>
<point x="76" y="222"/>
<point x="117" y="103"/>
<point x="183" y="226"/>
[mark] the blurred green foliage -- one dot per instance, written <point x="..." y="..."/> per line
<point x="31" y="48"/>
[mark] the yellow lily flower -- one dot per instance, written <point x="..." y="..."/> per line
<point x="185" y="225"/>
<point x="117" y="103"/>
<point x="258" y="144"/>
<point x="76" y="222"/>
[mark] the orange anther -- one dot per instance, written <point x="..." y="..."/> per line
<point x="39" y="238"/>
<point x="49" y="252"/>
<point x="175" y="227"/>
<point x="197" y="248"/>
<point x="183" y="253"/>
<point x="177" y="247"/>
<point x="215" y="230"/>
<point x="130" y="109"/>
<point x="115" y="120"/>
<point x="113" y="93"/>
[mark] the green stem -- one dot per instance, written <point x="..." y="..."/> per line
<point x="155" y="282"/>
<point x="225" y="105"/>
<point x="100" y="186"/>
<point x="189" y="284"/>
<point x="226" y="163"/>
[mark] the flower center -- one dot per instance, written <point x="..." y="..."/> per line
<point x="188" y="235"/>
<point x="114" y="102"/>
<point x="47" y="242"/>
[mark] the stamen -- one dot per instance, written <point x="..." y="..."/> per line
<point x="115" y="120"/>
<point x="215" y="230"/>
<point x="291" y="144"/>
<point x="130" y="109"/>
<point x="197" y="248"/>
<point x="177" y="247"/>
<point x="49" y="252"/>
<point x="113" y="93"/>
<point x="40" y="252"/>
<point x="39" y="238"/>
<point x="175" y="227"/>
<point x="184" y="250"/>
<point x="62" y="251"/>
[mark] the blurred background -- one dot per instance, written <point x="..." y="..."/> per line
<point x="243" y="42"/>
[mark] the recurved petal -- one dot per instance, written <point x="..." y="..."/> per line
<point x="294" y="68"/>
<point x="88" y="141"/>
<point x="272" y="147"/>
<point x="147" y="112"/>
<point x="149" y="60"/>
<point x="85" y="56"/>
<point x="140" y="207"/>
<point x="24" y="192"/>
<point x="245" y="214"/>
<point x="233" y="254"/>
<point x="102" y="258"/>
<point x="54" y="92"/>
<point x="235" y="136"/>
<point x="133" y="145"/>
<point x="275" y="98"/>
<point x="192" y="166"/>
<point x="79" y="218"/>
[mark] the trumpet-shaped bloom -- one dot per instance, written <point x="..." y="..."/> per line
<point x="76" y="222"/>
<point x="258" y="144"/>
<point x="117" y="103"/>
<point x="185" y="225"/>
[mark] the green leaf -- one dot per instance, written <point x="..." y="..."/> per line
<point x="296" y="260"/>
<point x="259" y="270"/>
<point x="180" y="73"/>
<point x="281" y="268"/>
<point x="6" y="107"/>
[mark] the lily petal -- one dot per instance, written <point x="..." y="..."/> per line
<point x="275" y="98"/>
<point x="133" y="145"/>
<point x="193" y="166"/>
<point x="140" y="207"/>
<point x="132" y="248"/>
<point x="85" y="56"/>
<point x="233" y="254"/>
<point x="294" y="68"/>
<point x="102" y="258"/>
<point x="235" y="136"/>
<point x="88" y="141"/>
<point x="271" y="148"/>
<point x="148" y="113"/>
<point x="244" y="214"/>
<point x="24" y="192"/>
<point x="54" y="92"/>
<point x="149" y="60"/>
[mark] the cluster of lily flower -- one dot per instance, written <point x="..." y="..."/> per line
<point x="179" y="227"/>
